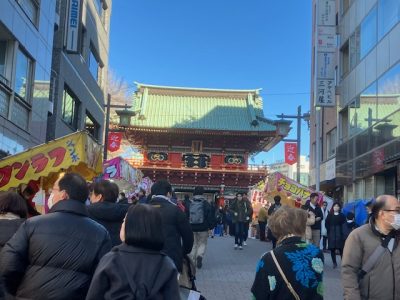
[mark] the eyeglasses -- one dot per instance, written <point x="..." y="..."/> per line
<point x="393" y="210"/>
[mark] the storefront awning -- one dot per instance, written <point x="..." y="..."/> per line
<point x="76" y="152"/>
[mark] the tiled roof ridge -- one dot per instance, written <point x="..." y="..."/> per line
<point x="139" y="85"/>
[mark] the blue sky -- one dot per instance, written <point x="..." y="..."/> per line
<point x="219" y="44"/>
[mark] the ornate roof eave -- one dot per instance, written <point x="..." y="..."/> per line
<point x="267" y="133"/>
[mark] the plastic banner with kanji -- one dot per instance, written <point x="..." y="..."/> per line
<point x="76" y="152"/>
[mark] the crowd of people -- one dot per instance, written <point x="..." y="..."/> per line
<point x="150" y="246"/>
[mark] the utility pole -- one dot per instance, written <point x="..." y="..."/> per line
<point x="298" y="117"/>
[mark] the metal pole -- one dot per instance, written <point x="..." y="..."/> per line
<point x="107" y="126"/>
<point x="298" y="141"/>
<point x="317" y="148"/>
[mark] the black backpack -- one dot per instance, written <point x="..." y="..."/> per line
<point x="196" y="212"/>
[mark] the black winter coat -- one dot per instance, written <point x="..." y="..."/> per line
<point x="334" y="226"/>
<point x="209" y="216"/>
<point x="347" y="229"/>
<point x="152" y="275"/>
<point x="111" y="216"/>
<point x="177" y="231"/>
<point x="7" y="230"/>
<point x="54" y="256"/>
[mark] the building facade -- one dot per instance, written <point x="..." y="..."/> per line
<point x="26" y="42"/>
<point x="79" y="68"/>
<point x="290" y="171"/>
<point x="198" y="136"/>
<point x="366" y="118"/>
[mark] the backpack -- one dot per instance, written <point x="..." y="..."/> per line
<point x="196" y="212"/>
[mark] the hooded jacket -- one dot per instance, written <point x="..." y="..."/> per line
<point x="111" y="216"/>
<point x="241" y="210"/>
<point x="54" y="256"/>
<point x="129" y="272"/>
<point x="380" y="283"/>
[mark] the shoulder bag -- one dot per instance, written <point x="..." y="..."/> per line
<point x="291" y="289"/>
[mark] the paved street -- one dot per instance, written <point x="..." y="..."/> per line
<point x="229" y="274"/>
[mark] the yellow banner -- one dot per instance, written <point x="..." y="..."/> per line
<point x="75" y="152"/>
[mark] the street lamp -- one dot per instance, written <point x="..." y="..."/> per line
<point x="299" y="117"/>
<point x="125" y="116"/>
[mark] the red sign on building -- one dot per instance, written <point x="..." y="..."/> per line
<point x="114" y="141"/>
<point x="290" y="153"/>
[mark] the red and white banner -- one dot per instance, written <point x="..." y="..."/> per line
<point x="114" y="141"/>
<point x="290" y="153"/>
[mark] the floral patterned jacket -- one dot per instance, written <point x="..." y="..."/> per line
<point x="303" y="265"/>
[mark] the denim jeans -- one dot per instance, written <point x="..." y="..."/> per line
<point x="239" y="233"/>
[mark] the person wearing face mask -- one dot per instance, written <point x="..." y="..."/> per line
<point x="334" y="226"/>
<point x="54" y="256"/>
<point x="371" y="256"/>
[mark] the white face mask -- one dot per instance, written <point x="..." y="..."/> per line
<point x="396" y="222"/>
<point x="50" y="201"/>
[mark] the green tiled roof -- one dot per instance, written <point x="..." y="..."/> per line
<point x="187" y="108"/>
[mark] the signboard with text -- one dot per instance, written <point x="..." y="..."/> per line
<point x="325" y="53"/>
<point x="73" y="26"/>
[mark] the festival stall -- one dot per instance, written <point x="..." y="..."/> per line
<point x="123" y="174"/>
<point x="292" y="193"/>
<point x="42" y="164"/>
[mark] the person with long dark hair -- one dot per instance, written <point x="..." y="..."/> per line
<point x="137" y="269"/>
<point x="334" y="226"/>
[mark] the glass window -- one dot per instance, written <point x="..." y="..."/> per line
<point x="99" y="6"/>
<point x="93" y="65"/>
<point x="22" y="75"/>
<point x="20" y="115"/>
<point x="366" y="113"/>
<point x="353" y="117"/>
<point x="388" y="92"/>
<point x="388" y="15"/>
<point x="354" y="48"/>
<point x="345" y="59"/>
<point x="331" y="142"/>
<point x="344" y="124"/>
<point x="92" y="126"/>
<point x="30" y="7"/>
<point x="70" y="109"/>
<point x="368" y="32"/>
<point x="3" y="48"/>
<point x="4" y="103"/>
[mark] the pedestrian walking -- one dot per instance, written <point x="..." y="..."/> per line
<point x="247" y="222"/>
<point x="334" y="226"/>
<point x="273" y="208"/>
<point x="262" y="221"/>
<point x="309" y="223"/>
<point x="240" y="210"/>
<point x="349" y="226"/>
<point x="142" y="196"/>
<point x="175" y="226"/>
<point x="54" y="256"/>
<point x="371" y="256"/>
<point x="13" y="212"/>
<point x="313" y="206"/>
<point x="202" y="219"/>
<point x="324" y="232"/>
<point x="219" y="221"/>
<point x="294" y="269"/>
<point x="137" y="269"/>
<point x="122" y="198"/>
<point x="104" y="209"/>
